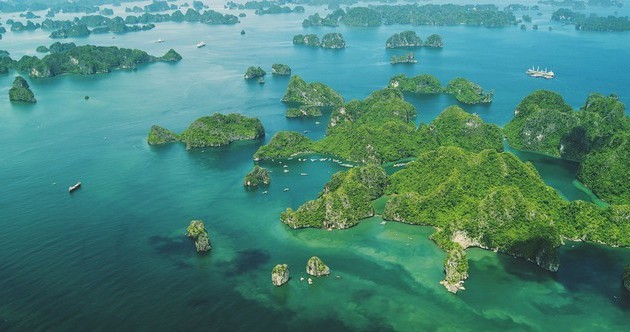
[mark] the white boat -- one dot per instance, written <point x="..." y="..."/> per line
<point x="547" y="74"/>
<point x="159" y="41"/>
<point x="303" y="174"/>
<point x="201" y="44"/>
<point x="75" y="187"/>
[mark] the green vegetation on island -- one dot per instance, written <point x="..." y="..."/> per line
<point x="380" y="129"/>
<point x="20" y="91"/>
<point x="284" y="144"/>
<point x="403" y="39"/>
<point x="280" y="274"/>
<point x="345" y="200"/>
<point x="598" y="136"/>
<point x="214" y="130"/>
<point x="280" y="69"/>
<point x="414" y="14"/>
<point x="254" y="72"/>
<point x="85" y="60"/>
<point x="308" y="40"/>
<point x="333" y="40"/>
<point x="310" y="94"/>
<point x="592" y="22"/>
<point x="468" y="92"/>
<point x="259" y="176"/>
<point x="434" y="40"/>
<point x="423" y="84"/>
<point x="197" y="232"/>
<point x="316" y="267"/>
<point x="42" y="49"/>
<point x="306" y="111"/>
<point x="407" y="58"/>
<point x="159" y="135"/>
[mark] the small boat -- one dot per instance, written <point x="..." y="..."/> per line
<point x="261" y="81"/>
<point x="201" y="44"/>
<point x="286" y="189"/>
<point x="75" y="187"/>
<point x="303" y="174"/>
<point x="265" y="192"/>
<point x="306" y="131"/>
<point x="159" y="41"/>
<point x="286" y="171"/>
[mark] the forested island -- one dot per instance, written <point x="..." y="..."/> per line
<point x="333" y="40"/>
<point x="409" y="39"/>
<point x="84" y="60"/>
<point x="20" y="91"/>
<point x="591" y="22"/>
<point x="254" y="72"/>
<point x="280" y="69"/>
<point x="310" y="94"/>
<point x="415" y="14"/>
<point x="209" y="131"/>
<point x="462" y="89"/>
<point x="475" y="196"/>
<point x="407" y="58"/>
<point x="598" y="136"/>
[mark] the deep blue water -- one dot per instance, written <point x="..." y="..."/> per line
<point x="113" y="254"/>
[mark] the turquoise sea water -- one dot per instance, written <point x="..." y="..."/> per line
<point x="112" y="256"/>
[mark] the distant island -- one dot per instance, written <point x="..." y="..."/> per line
<point x="20" y="91"/>
<point x="591" y="22"/>
<point x="310" y="94"/>
<point x="407" y="58"/>
<point x="280" y="69"/>
<point x="331" y="40"/>
<point x="462" y="89"/>
<point x="85" y="60"/>
<point x="415" y="14"/>
<point x="209" y="131"/>
<point x="254" y="72"/>
<point x="409" y="39"/>
<point x="598" y="136"/>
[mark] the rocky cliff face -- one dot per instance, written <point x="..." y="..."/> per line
<point x="626" y="277"/>
<point x="316" y="267"/>
<point x="280" y="275"/>
<point x="197" y="232"/>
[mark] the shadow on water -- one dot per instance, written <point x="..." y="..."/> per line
<point x="594" y="267"/>
<point x="164" y="245"/>
<point x="245" y="261"/>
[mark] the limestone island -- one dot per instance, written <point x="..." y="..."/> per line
<point x="306" y="112"/>
<point x="461" y="183"/>
<point x="597" y="136"/>
<point x="434" y="40"/>
<point x="209" y="131"/>
<point x="259" y="176"/>
<point x="333" y="40"/>
<point x="280" y="69"/>
<point x="197" y="232"/>
<point x="254" y="72"/>
<point x="21" y="92"/>
<point x="316" y="267"/>
<point x="407" y="58"/>
<point x="310" y="94"/>
<point x="468" y="92"/>
<point x="307" y="40"/>
<point x="85" y="60"/>
<point x="405" y="39"/>
<point x="280" y="275"/>
<point x="422" y="84"/>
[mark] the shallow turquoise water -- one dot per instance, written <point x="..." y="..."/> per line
<point x="113" y="255"/>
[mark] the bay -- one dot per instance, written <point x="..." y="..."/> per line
<point x="113" y="255"/>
